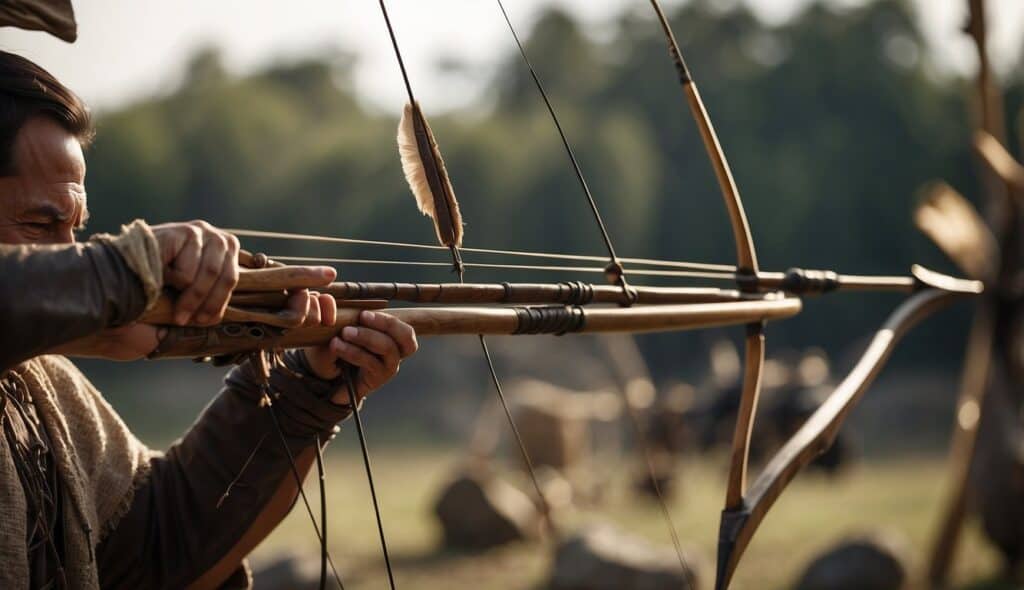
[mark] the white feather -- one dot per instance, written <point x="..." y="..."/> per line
<point x="416" y="175"/>
<point x="412" y="164"/>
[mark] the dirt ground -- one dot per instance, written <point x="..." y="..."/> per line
<point x="896" y="495"/>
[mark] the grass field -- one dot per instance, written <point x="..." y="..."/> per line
<point x="898" y="495"/>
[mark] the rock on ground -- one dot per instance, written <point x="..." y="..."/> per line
<point x="604" y="558"/>
<point x="288" y="572"/>
<point x="867" y="562"/>
<point x="478" y="511"/>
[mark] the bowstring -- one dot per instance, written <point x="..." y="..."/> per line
<point x="565" y="141"/>
<point x="616" y="264"/>
<point x="274" y="235"/>
<point x="459" y="267"/>
<point x="725" y="276"/>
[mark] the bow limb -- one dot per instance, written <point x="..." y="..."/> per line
<point x="745" y="252"/>
<point x="820" y="430"/>
<point x="747" y="265"/>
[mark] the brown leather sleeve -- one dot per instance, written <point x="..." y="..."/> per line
<point x="51" y="295"/>
<point x="182" y="530"/>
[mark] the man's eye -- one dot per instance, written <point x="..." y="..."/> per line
<point x="36" y="227"/>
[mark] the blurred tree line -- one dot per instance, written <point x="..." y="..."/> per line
<point x="832" y="122"/>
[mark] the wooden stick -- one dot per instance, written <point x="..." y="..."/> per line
<point x="512" y="293"/>
<point x="989" y="98"/>
<point x="162" y="313"/>
<point x="973" y="387"/>
<point x="278" y="278"/>
<point x="190" y="342"/>
<point x="796" y="281"/>
<point x="1000" y="162"/>
<point x="1002" y="192"/>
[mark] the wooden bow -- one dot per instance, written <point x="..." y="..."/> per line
<point x="257" y="320"/>
<point x="745" y="507"/>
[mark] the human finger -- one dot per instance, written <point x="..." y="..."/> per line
<point x="313" y="316"/>
<point x="356" y="356"/>
<point x="328" y="309"/>
<point x="375" y="342"/>
<point x="400" y="332"/>
<point x="212" y="309"/>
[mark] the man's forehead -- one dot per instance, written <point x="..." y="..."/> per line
<point x="44" y="149"/>
<point x="61" y="201"/>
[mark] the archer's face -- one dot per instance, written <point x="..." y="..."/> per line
<point x="44" y="201"/>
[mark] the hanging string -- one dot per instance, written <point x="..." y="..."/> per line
<point x="321" y="531"/>
<point x="322" y="476"/>
<point x="238" y="477"/>
<point x="615" y="265"/>
<point x="352" y="398"/>
<point x="645" y="450"/>
<point x="251" y="233"/>
<point x="320" y="535"/>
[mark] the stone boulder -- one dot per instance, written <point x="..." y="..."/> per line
<point x="604" y="558"/>
<point x="478" y="511"/>
<point x="865" y="562"/>
<point x="288" y="572"/>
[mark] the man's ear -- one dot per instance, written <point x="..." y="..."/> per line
<point x="56" y="17"/>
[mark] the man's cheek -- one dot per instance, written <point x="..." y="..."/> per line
<point x="14" y="233"/>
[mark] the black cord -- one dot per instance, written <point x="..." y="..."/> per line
<point x="614" y="266"/>
<point x="565" y="141"/>
<point x="369" y="472"/>
<point x="322" y="475"/>
<point x="321" y="536"/>
<point x="541" y="498"/>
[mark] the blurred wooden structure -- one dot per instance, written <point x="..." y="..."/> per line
<point x="985" y="247"/>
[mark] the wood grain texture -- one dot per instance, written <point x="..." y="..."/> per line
<point x="511" y="293"/>
<point x="190" y="342"/>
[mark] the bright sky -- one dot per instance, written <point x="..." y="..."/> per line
<point x="128" y="50"/>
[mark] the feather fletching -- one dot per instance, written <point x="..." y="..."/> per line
<point x="427" y="177"/>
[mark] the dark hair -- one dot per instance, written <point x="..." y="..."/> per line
<point x="27" y="90"/>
